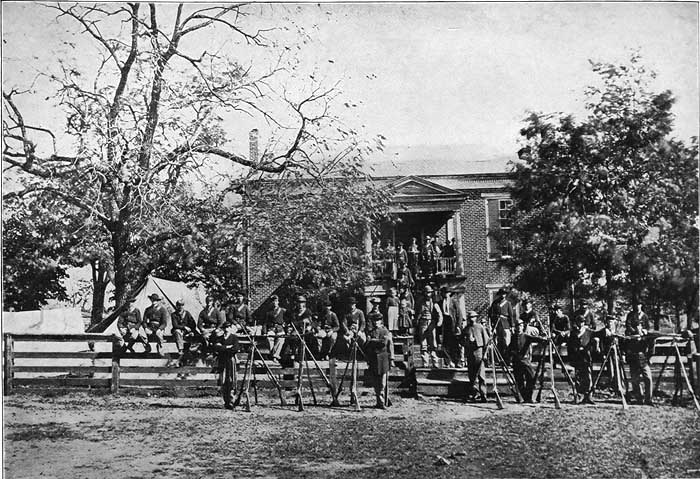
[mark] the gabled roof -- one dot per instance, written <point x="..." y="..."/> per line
<point x="426" y="160"/>
<point x="416" y="186"/>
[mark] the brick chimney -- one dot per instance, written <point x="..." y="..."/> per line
<point x="253" y="145"/>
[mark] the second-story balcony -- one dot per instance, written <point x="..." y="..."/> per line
<point x="389" y="268"/>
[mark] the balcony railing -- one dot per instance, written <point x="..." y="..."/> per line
<point x="388" y="268"/>
<point x="446" y="266"/>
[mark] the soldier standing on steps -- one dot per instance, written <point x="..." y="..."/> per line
<point x="380" y="354"/>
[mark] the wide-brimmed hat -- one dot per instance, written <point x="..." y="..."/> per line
<point x="301" y="299"/>
<point x="472" y="314"/>
<point x="154" y="297"/>
<point x="428" y="288"/>
<point x="375" y="300"/>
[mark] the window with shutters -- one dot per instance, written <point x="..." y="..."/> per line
<point x="499" y="243"/>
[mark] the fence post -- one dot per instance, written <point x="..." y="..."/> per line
<point x="116" y="351"/>
<point x="9" y="362"/>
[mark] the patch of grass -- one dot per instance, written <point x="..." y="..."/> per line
<point x="51" y="431"/>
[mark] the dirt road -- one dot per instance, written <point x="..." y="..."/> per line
<point x="89" y="436"/>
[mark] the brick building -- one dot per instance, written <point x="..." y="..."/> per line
<point x="446" y="193"/>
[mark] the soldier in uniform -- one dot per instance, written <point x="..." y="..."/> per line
<point x="356" y="318"/>
<point x="429" y="318"/>
<point x="380" y="353"/>
<point x="184" y="326"/>
<point x="130" y="327"/>
<point x="274" y="325"/>
<point x="474" y="339"/>
<point x="239" y="313"/>
<point x="502" y="320"/>
<point x="155" y="319"/>
<point x="209" y="320"/>
<point x="523" y="369"/>
<point x="374" y="315"/>
<point x="636" y="328"/>
<point x="328" y="331"/>
<point x="225" y="346"/>
<point x="579" y="344"/>
<point x="299" y="322"/>
<point x="560" y="324"/>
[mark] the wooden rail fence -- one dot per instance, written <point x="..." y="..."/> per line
<point x="96" y="361"/>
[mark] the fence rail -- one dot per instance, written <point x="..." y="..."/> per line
<point x="33" y="362"/>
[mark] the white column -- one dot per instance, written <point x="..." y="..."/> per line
<point x="459" y="266"/>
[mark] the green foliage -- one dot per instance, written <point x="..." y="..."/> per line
<point x="611" y="197"/>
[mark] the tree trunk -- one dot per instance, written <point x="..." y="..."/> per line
<point x="609" y="294"/>
<point x="98" y="301"/>
<point x="119" y="248"/>
<point x="100" y="280"/>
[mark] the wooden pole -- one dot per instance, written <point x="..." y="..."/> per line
<point x="353" y="380"/>
<point x="300" y="377"/>
<point x="9" y="363"/>
<point x="557" y="403"/>
<point x="499" y="403"/>
<point x="618" y="374"/>
<point x="311" y="383"/>
<point x="333" y="377"/>
<point x="685" y="375"/>
<point x="116" y="351"/>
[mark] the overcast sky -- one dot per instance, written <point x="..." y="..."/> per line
<point x="457" y="73"/>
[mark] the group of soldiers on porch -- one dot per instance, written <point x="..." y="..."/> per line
<point x="408" y="263"/>
<point x="438" y="321"/>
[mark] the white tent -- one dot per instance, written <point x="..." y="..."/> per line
<point x="169" y="291"/>
<point x="48" y="321"/>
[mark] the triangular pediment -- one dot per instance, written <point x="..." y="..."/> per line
<point x="417" y="186"/>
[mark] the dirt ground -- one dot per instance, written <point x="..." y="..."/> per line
<point x="101" y="436"/>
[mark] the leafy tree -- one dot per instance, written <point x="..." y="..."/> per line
<point x="144" y="123"/>
<point x="31" y="257"/>
<point x="309" y="230"/>
<point x="612" y="198"/>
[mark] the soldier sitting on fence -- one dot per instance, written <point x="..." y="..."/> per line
<point x="155" y="320"/>
<point x="274" y="328"/>
<point x="130" y="327"/>
<point x="185" y="329"/>
<point x="210" y="321"/>
<point x="328" y="331"/>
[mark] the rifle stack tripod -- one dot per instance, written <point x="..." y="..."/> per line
<point x="496" y="358"/>
<point x="305" y="353"/>
<point x="617" y="371"/>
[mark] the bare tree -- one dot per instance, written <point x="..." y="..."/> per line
<point x="148" y="117"/>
